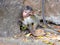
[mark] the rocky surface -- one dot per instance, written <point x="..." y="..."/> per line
<point x="21" y="41"/>
<point x="9" y="14"/>
<point x="48" y="39"/>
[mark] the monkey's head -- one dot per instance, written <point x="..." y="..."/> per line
<point x="27" y="11"/>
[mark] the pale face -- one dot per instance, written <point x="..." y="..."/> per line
<point x="27" y="13"/>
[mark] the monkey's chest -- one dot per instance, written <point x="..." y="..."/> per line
<point x="35" y="19"/>
<point x="30" y="19"/>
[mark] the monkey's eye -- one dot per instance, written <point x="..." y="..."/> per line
<point x="25" y="12"/>
<point x="29" y="14"/>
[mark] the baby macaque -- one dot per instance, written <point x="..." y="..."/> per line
<point x="28" y="11"/>
<point x="30" y="19"/>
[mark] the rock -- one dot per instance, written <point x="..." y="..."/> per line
<point x="57" y="27"/>
<point x="39" y="32"/>
<point x="9" y="16"/>
<point x="58" y="30"/>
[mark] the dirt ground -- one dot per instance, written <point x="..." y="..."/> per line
<point x="6" y="41"/>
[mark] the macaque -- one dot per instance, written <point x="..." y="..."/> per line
<point x="25" y="20"/>
<point x="30" y="19"/>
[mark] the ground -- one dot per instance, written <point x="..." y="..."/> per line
<point x="28" y="39"/>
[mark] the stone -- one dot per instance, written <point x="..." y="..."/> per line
<point x="9" y="17"/>
<point x="39" y="32"/>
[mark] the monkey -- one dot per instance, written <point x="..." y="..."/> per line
<point x="30" y="20"/>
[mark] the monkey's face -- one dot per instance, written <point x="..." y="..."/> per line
<point x="27" y="13"/>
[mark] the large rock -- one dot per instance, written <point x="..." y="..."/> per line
<point x="39" y="32"/>
<point x="9" y="14"/>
